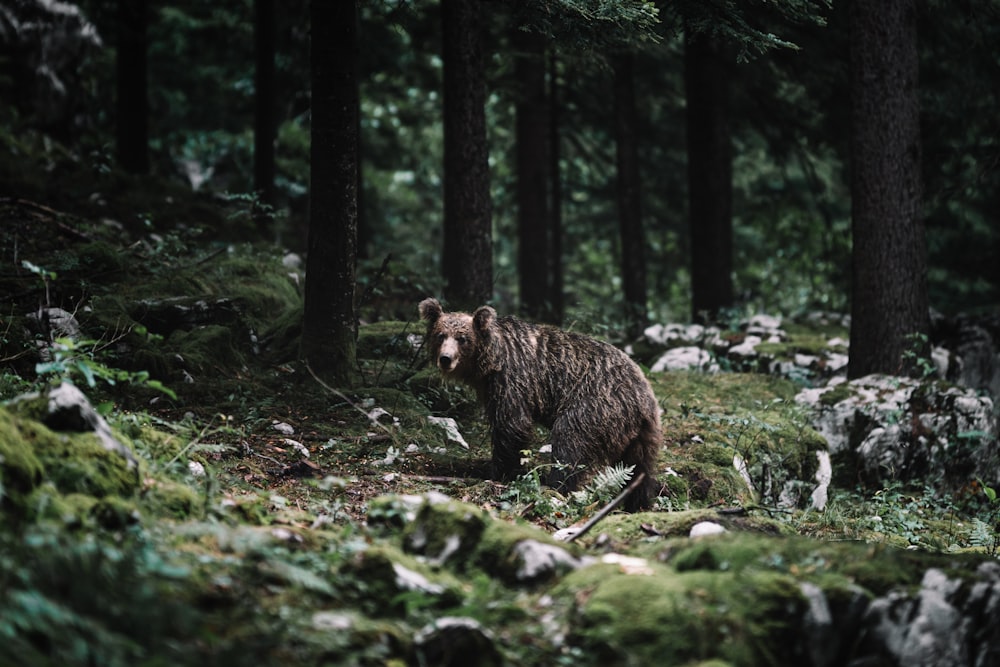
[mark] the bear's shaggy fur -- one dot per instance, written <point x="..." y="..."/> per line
<point x="595" y="401"/>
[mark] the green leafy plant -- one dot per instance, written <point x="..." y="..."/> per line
<point x="914" y="356"/>
<point x="44" y="275"/>
<point x="72" y="359"/>
<point x="604" y="486"/>
<point x="984" y="533"/>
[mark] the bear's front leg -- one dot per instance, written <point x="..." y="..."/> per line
<point x="509" y="440"/>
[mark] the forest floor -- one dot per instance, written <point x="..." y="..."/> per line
<point x="279" y="519"/>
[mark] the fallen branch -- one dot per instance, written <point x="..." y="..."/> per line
<point x="442" y="479"/>
<point x="610" y="506"/>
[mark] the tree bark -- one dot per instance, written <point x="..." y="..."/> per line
<point x="329" y="324"/>
<point x="264" y="113"/>
<point x="555" y="203"/>
<point x="633" y="256"/>
<point x="467" y="262"/>
<point x="532" y="146"/>
<point x="889" y="302"/>
<point x="132" y="108"/>
<point x="710" y="176"/>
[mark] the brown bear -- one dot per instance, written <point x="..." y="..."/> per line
<point x="595" y="401"/>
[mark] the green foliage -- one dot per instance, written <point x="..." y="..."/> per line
<point x="82" y="599"/>
<point x="78" y="359"/>
<point x="915" y="356"/>
<point x="604" y="486"/>
<point x="592" y="27"/>
<point x="528" y="494"/>
<point x="985" y="532"/>
<point x="744" y="26"/>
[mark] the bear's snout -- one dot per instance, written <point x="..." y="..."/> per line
<point x="448" y="354"/>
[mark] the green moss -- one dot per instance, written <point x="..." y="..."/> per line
<point x="170" y="499"/>
<point x="877" y="568"/>
<point x="400" y="404"/>
<point x="495" y="552"/>
<point x="73" y="462"/>
<point x="379" y="340"/>
<point x="20" y="469"/>
<point x="713" y="454"/>
<point x="800" y="331"/>
<point x="446" y="531"/>
<point x="802" y="343"/>
<point x="390" y="580"/>
<point x="153" y="445"/>
<point x="282" y="335"/>
<point x="101" y="262"/>
<point x="676" y="487"/>
<point x="670" y="618"/>
<point x="259" y="282"/>
<point x="251" y="509"/>
<point x="633" y="529"/>
<point x="206" y="348"/>
<point x="680" y="391"/>
<point x="47" y="503"/>
<point x="80" y="463"/>
<point x="115" y="513"/>
<point x="836" y="394"/>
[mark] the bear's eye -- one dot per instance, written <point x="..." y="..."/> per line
<point x="442" y="336"/>
<point x="463" y="340"/>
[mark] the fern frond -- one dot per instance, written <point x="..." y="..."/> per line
<point x="605" y="485"/>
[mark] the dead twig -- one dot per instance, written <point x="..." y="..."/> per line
<point x="609" y="507"/>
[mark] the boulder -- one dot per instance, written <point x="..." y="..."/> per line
<point x="892" y="428"/>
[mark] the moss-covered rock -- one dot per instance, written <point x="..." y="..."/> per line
<point x="446" y="530"/>
<point x="382" y="340"/>
<point x="519" y="553"/>
<point x="659" y="616"/>
<point x="166" y="498"/>
<point x="20" y="469"/>
<point x="71" y="462"/>
<point x="115" y="513"/>
<point x="389" y="579"/>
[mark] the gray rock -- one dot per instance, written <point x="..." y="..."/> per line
<point x="891" y="427"/>
<point x="683" y="358"/>
<point x="69" y="410"/>
<point x="538" y="561"/>
<point x="703" y="528"/>
<point x="946" y="623"/>
<point x="688" y="334"/>
<point x="54" y="323"/>
<point x="972" y="343"/>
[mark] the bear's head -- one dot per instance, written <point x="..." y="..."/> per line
<point x="455" y="340"/>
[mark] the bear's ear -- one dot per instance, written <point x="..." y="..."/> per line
<point x="430" y="310"/>
<point x="483" y="318"/>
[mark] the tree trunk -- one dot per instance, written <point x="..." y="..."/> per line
<point x="710" y="176"/>
<point x="532" y="144"/>
<point x="467" y="261"/>
<point x="889" y="303"/>
<point x="555" y="204"/>
<point x="329" y="328"/>
<point x="132" y="109"/>
<point x="264" y="114"/>
<point x="628" y="189"/>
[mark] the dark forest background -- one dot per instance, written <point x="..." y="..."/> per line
<point x="633" y="149"/>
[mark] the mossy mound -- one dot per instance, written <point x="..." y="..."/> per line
<point x="390" y="576"/>
<point x="72" y="462"/>
<point x="658" y="616"/>
<point x="632" y="529"/>
<point x="736" y="439"/>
